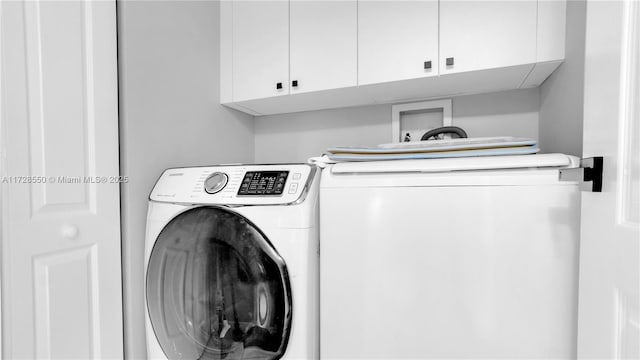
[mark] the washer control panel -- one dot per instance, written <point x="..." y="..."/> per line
<point x="235" y="184"/>
<point x="215" y="182"/>
<point x="261" y="183"/>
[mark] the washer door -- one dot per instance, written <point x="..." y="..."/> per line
<point x="217" y="289"/>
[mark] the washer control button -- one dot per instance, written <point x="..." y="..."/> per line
<point x="215" y="182"/>
<point x="296" y="176"/>
<point x="293" y="188"/>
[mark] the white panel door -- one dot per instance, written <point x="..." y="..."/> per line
<point x="260" y="49"/>
<point x="397" y="40"/>
<point x="61" y="274"/>
<point x="323" y="44"/>
<point x="609" y="300"/>
<point x="477" y="35"/>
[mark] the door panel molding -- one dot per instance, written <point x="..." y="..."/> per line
<point x="629" y="129"/>
<point x="59" y="336"/>
<point x="61" y="258"/>
<point x="60" y="78"/>
<point x="627" y="333"/>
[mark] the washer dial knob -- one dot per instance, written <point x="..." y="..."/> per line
<point x="215" y="182"/>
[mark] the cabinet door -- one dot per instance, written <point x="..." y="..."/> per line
<point x="260" y="49"/>
<point x="324" y="49"/>
<point x="397" y="40"/>
<point x="477" y="35"/>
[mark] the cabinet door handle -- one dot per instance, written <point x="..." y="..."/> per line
<point x="450" y="61"/>
<point x="427" y="65"/>
<point x="294" y="83"/>
<point x="279" y="86"/>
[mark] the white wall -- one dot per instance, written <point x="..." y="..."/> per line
<point x="561" y="95"/>
<point x="298" y="136"/>
<point x="169" y="113"/>
<point x="169" y="116"/>
<point x="551" y="113"/>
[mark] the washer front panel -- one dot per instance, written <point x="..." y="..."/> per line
<point x="187" y="185"/>
<point x="217" y="289"/>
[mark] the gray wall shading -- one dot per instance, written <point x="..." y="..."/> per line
<point x="298" y="136"/>
<point x="169" y="117"/>
<point x="552" y="113"/>
<point x="562" y="94"/>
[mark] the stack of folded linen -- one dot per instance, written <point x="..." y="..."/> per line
<point x="434" y="149"/>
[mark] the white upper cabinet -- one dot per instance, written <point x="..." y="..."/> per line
<point x="260" y="60"/>
<point x="338" y="53"/>
<point x="397" y="40"/>
<point x="323" y="48"/>
<point x="477" y="35"/>
<point x="551" y="30"/>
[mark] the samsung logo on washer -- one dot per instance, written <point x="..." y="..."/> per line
<point x="176" y="174"/>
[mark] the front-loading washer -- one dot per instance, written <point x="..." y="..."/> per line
<point x="231" y="263"/>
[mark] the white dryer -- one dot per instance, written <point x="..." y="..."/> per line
<point x="231" y="263"/>
<point x="449" y="258"/>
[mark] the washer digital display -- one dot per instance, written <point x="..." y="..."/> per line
<point x="263" y="183"/>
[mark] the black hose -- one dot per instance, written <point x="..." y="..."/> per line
<point x="435" y="133"/>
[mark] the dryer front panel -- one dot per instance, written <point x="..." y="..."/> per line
<point x="217" y="289"/>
